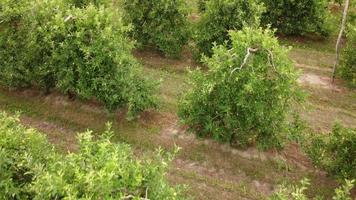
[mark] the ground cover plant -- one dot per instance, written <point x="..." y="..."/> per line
<point x="246" y="94"/>
<point x="32" y="169"/>
<point x="161" y="23"/>
<point x="298" y="192"/>
<point x="83" y="52"/>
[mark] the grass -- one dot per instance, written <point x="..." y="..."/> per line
<point x="323" y="45"/>
<point x="312" y="58"/>
<point x="73" y="116"/>
<point x="240" y="190"/>
<point x="173" y="84"/>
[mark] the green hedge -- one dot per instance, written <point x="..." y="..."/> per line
<point x="83" y="52"/>
<point x="32" y="169"/>
<point x="221" y="16"/>
<point x="293" y="17"/>
<point x="160" y="23"/>
<point x="243" y="103"/>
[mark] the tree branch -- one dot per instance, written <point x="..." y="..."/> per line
<point x="248" y="54"/>
<point x="342" y="29"/>
<point x="271" y="59"/>
<point x="129" y="197"/>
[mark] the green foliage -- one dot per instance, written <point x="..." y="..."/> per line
<point x="292" y="192"/>
<point x="21" y="152"/>
<point x="83" y="3"/>
<point x="243" y="103"/>
<point x="15" y="56"/>
<point x="103" y="170"/>
<point x="293" y="17"/>
<point x="335" y="152"/>
<point x="161" y="23"/>
<point x="298" y="192"/>
<point x="94" y="60"/>
<point x="220" y="17"/>
<point x="81" y="51"/>
<point x="348" y="64"/>
<point x="31" y="169"/>
<point x="344" y="192"/>
<point x="201" y="5"/>
<point x="297" y="128"/>
<point x="11" y="11"/>
<point x="336" y="1"/>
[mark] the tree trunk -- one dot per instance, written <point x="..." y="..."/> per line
<point x="338" y="43"/>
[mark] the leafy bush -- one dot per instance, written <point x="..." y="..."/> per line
<point x="83" y="52"/>
<point x="292" y="17"/>
<point x="160" y="23"/>
<point x="103" y="170"/>
<point x="16" y="57"/>
<point x="335" y="152"/>
<point x="31" y="169"/>
<point x="246" y="94"/>
<point x="297" y="128"/>
<point x="348" y="64"/>
<point x="21" y="151"/>
<point x="298" y="192"/>
<point x="201" y="5"/>
<point x="94" y="59"/>
<point x="220" y="17"/>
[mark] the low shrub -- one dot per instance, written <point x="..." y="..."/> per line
<point x="31" y="169"/>
<point x="83" y="52"/>
<point x="103" y="170"/>
<point x="94" y="60"/>
<point x="246" y="94"/>
<point x="334" y="152"/>
<point x="160" y="23"/>
<point x="221" y="16"/>
<point x="298" y="192"/>
<point x="292" y="17"/>
<point x="21" y="152"/>
<point x="297" y="128"/>
<point x="25" y="54"/>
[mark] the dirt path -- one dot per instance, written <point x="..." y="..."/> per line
<point x="212" y="166"/>
<point x="313" y="79"/>
<point x="65" y="139"/>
